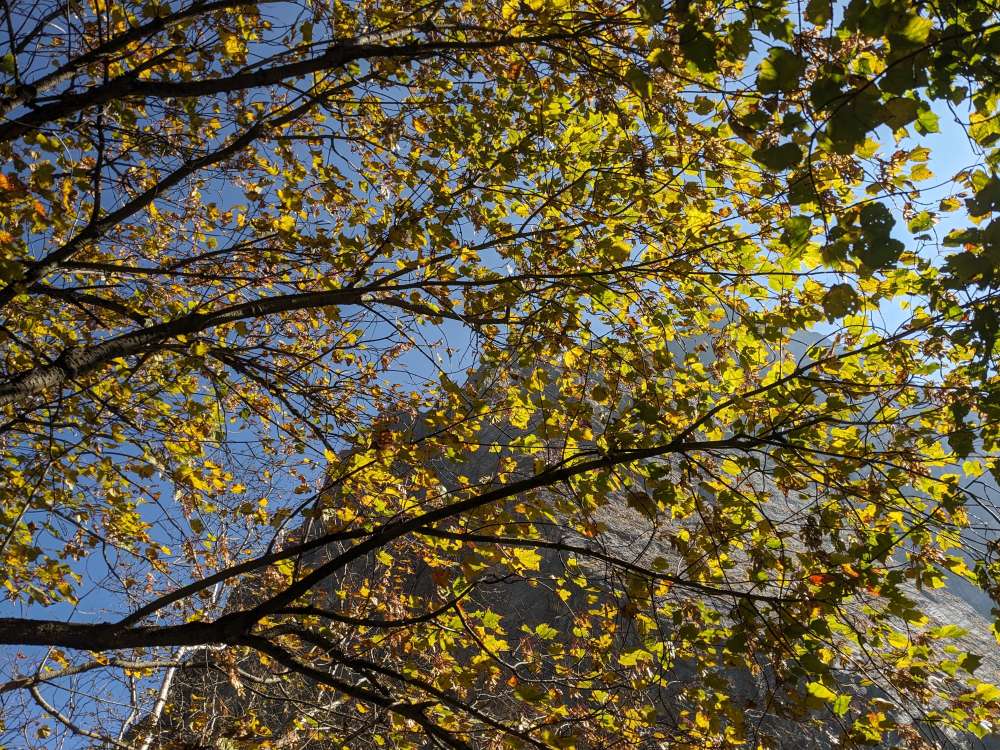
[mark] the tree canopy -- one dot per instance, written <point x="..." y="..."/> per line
<point x="326" y="323"/>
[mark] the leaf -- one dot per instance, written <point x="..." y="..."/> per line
<point x="643" y="503"/>
<point x="699" y="48"/>
<point x="921" y="222"/>
<point x="819" y="12"/>
<point x="528" y="559"/>
<point x="232" y="46"/>
<point x="826" y="91"/>
<point x="927" y="120"/>
<point x="779" y="158"/>
<point x="987" y="692"/>
<point x="876" y="248"/>
<point x="546" y="631"/>
<point x="652" y="11"/>
<point x="530" y="692"/>
<point x="639" y="82"/>
<point x="801" y="189"/>
<point x="632" y="658"/>
<point x="857" y="114"/>
<point x="797" y="231"/>
<point x="821" y="691"/>
<point x="915" y="29"/>
<point x="961" y="441"/>
<point x="948" y="631"/>
<point x="780" y="71"/>
<point x="900" y="112"/>
<point x="986" y="199"/>
<point x="840" y="300"/>
<point x="971" y="662"/>
<point x="841" y="704"/>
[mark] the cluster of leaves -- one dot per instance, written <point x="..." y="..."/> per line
<point x="343" y="343"/>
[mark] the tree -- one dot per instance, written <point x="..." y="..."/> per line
<point x="310" y="301"/>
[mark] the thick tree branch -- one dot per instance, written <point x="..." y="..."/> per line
<point x="376" y="622"/>
<point x="76" y="297"/>
<point x="335" y="57"/>
<point x="109" y="636"/>
<point x="116" y="44"/>
<point x="73" y="363"/>
<point x="553" y="475"/>
<point x="95" y="228"/>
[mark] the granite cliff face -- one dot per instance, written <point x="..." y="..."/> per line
<point x="222" y="700"/>
<point x="211" y="693"/>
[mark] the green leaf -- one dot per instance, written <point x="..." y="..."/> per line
<point x="546" y="632"/>
<point x="840" y="300"/>
<point x="921" y="222"/>
<point x="652" y="11"/>
<point x="779" y="158"/>
<point x="960" y="237"/>
<point x="699" y="48"/>
<point x="631" y="658"/>
<point x="881" y="253"/>
<point x="987" y="692"/>
<point x="643" y="503"/>
<point x="801" y="189"/>
<point x="858" y="114"/>
<point x="904" y="75"/>
<point x="819" y="12"/>
<point x="961" y="442"/>
<point x="798" y="229"/>
<point x="876" y="248"/>
<point x="776" y="25"/>
<point x="970" y="662"/>
<point x="791" y="122"/>
<point x="826" y="90"/>
<point x="639" y="82"/>
<point x="821" y="691"/>
<point x="900" y="112"/>
<point x="529" y="692"/>
<point x="841" y="704"/>
<point x="986" y="199"/>
<point x="927" y="121"/>
<point x="948" y="631"/>
<point x="965" y="267"/>
<point x="915" y="30"/>
<point x="780" y="71"/>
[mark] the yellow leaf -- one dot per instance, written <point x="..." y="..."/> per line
<point x="821" y="691"/>
<point x="528" y="558"/>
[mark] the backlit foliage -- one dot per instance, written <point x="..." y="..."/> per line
<point x="342" y="340"/>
